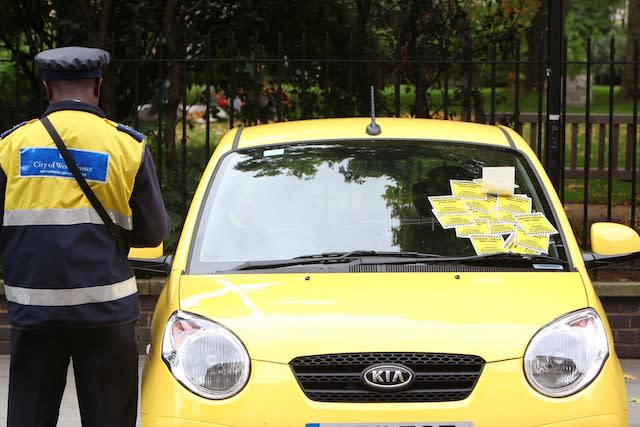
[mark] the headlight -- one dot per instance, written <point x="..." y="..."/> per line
<point x="204" y="356"/>
<point x="567" y="354"/>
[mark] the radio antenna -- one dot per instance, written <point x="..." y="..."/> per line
<point x="373" y="128"/>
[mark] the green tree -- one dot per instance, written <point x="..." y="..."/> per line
<point x="536" y="36"/>
<point x="441" y="38"/>
<point x="591" y="19"/>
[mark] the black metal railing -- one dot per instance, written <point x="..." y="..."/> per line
<point x="482" y="86"/>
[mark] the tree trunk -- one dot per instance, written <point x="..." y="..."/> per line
<point x="363" y="73"/>
<point x="174" y="50"/>
<point x="470" y="102"/>
<point x="421" y="107"/>
<point x="407" y="45"/>
<point x="536" y="42"/>
<point x="633" y="32"/>
<point x="99" y="21"/>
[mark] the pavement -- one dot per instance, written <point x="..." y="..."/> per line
<point x="70" y="417"/>
<point x="631" y="368"/>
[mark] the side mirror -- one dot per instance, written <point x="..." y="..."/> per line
<point x="611" y="243"/>
<point x="150" y="261"/>
<point x="608" y="238"/>
<point x="146" y="253"/>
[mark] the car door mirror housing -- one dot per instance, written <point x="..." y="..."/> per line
<point x="608" y="238"/>
<point x="146" y="253"/>
<point x="150" y="261"/>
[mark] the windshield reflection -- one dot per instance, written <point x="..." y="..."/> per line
<point x="284" y="202"/>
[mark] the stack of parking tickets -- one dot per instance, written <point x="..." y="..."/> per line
<point x="494" y="223"/>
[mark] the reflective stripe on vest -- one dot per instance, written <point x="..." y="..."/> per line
<point x="67" y="297"/>
<point x="18" y="217"/>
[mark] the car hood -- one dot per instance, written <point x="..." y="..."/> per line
<point x="282" y="316"/>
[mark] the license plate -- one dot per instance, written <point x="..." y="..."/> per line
<point x="418" y="424"/>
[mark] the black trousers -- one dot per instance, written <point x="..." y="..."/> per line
<point x="105" y="366"/>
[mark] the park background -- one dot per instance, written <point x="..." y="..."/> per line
<point x="184" y="72"/>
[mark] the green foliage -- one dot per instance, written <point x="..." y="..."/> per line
<point x="601" y="55"/>
<point x="7" y="76"/>
<point x="593" y="19"/>
<point x="179" y="185"/>
<point x="171" y="193"/>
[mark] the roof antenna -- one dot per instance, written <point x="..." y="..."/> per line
<point x="373" y="128"/>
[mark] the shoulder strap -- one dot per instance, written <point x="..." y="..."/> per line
<point x="112" y="228"/>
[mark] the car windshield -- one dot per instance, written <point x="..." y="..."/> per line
<point x="367" y="198"/>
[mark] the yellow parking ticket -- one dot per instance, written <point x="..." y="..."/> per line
<point x="466" y="189"/>
<point x="538" y="243"/>
<point x="505" y="216"/>
<point x="481" y="205"/>
<point x="511" y="246"/>
<point x="484" y="245"/>
<point x="518" y="204"/>
<point x="535" y="224"/>
<point x="453" y="220"/>
<point x="448" y="205"/>
<point x="469" y="230"/>
<point x="501" y="228"/>
<point x="484" y="217"/>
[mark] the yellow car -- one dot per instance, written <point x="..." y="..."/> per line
<point x="382" y="273"/>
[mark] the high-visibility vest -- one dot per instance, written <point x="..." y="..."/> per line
<point x="61" y="266"/>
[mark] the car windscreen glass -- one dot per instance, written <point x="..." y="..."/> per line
<point x="282" y="202"/>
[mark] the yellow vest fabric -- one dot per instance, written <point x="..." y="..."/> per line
<point x="80" y="131"/>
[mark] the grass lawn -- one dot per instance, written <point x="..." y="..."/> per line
<point x="598" y="191"/>
<point x="505" y="100"/>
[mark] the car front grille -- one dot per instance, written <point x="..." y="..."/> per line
<point x="338" y="377"/>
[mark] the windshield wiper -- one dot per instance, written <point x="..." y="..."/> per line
<point x="539" y="262"/>
<point x="335" y="258"/>
<point x="362" y="253"/>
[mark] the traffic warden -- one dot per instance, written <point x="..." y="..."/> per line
<point x="70" y="289"/>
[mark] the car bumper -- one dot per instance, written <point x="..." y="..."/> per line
<point x="272" y="397"/>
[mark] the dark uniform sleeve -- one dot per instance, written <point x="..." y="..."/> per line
<point x="151" y="223"/>
<point x="3" y="189"/>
